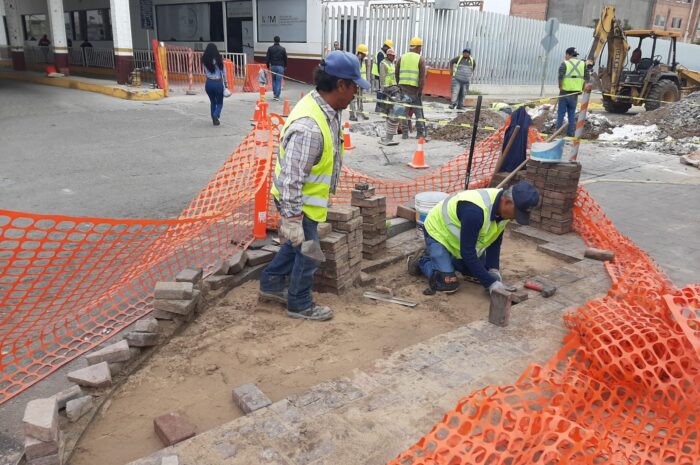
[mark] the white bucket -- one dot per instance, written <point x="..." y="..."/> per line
<point x="425" y="201"/>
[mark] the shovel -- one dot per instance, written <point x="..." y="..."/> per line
<point x="312" y="249"/>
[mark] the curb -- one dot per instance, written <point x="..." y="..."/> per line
<point x="110" y="90"/>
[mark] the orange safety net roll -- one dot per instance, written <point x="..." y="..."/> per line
<point x="624" y="389"/>
<point x="67" y="284"/>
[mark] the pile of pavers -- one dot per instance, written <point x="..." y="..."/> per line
<point x="179" y="299"/>
<point x="342" y="248"/>
<point x="557" y="184"/>
<point x="373" y="211"/>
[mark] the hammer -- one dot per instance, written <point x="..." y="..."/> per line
<point x="546" y="290"/>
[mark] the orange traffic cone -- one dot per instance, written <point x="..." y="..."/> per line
<point x="347" y="145"/>
<point x="51" y="69"/>
<point x="256" y="114"/>
<point x="262" y="93"/>
<point x="285" y="108"/>
<point x="419" y="156"/>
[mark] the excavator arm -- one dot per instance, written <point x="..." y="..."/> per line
<point x="609" y="32"/>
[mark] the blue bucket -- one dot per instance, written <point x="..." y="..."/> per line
<point x="551" y="152"/>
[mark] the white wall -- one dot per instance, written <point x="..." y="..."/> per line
<point x="314" y="34"/>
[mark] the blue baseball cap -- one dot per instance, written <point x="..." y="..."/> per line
<point x="467" y="50"/>
<point x="344" y="65"/>
<point x="525" y="198"/>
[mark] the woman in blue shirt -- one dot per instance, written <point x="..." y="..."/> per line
<point x="216" y="80"/>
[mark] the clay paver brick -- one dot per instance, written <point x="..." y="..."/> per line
<point x="217" y="282"/>
<point x="35" y="448"/>
<point x="178" y="306"/>
<point x="172" y="428"/>
<point x="170" y="460"/>
<point x="141" y="339"/>
<point x="146" y="325"/>
<point x="257" y="257"/>
<point x="599" y="254"/>
<point x="189" y="275"/>
<point x="54" y="459"/>
<point x="117" y="352"/>
<point x="41" y="419"/>
<point x="173" y="290"/>
<point x="76" y="408"/>
<point x="93" y="376"/>
<point x="324" y="229"/>
<point x="499" y="310"/>
<point x="64" y="396"/>
<point x="249" y="398"/>
<point x="237" y="262"/>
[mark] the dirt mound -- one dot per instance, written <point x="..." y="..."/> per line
<point x="462" y="135"/>
<point x="678" y="120"/>
<point x="544" y="118"/>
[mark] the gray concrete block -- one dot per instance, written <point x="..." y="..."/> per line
<point x="170" y="460"/>
<point x="117" y="352"/>
<point x="271" y="248"/>
<point x="178" y="306"/>
<point x="397" y="226"/>
<point x="237" y="262"/>
<point x="116" y="367"/>
<point x="189" y="275"/>
<point x="76" y="408"/>
<point x="41" y="419"/>
<point x="562" y="252"/>
<point x="249" y="398"/>
<point x="218" y="282"/>
<point x="519" y="296"/>
<point x="258" y="257"/>
<point x="146" y="325"/>
<point x="64" y="396"/>
<point x="173" y="290"/>
<point x="499" y="310"/>
<point x="34" y="448"/>
<point x="92" y="376"/>
<point x="324" y="229"/>
<point x="221" y="268"/>
<point x="141" y="339"/>
<point x="162" y="315"/>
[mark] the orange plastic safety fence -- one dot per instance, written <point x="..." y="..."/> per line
<point x="67" y="283"/>
<point x="622" y="390"/>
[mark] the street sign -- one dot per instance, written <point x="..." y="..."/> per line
<point x="146" y="10"/>
<point x="549" y="42"/>
<point x="551" y="26"/>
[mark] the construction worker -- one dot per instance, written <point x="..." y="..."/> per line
<point x="410" y="73"/>
<point x="392" y="92"/>
<point x="357" y="109"/>
<point x="376" y="80"/>
<point x="464" y="233"/>
<point x="309" y="165"/>
<point x="572" y="76"/>
<point x="463" y="67"/>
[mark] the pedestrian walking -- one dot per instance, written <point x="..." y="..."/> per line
<point x="357" y="108"/>
<point x="572" y="76"/>
<point x="276" y="62"/>
<point x="309" y="164"/>
<point x="215" y="73"/>
<point x="376" y="80"/>
<point x="410" y="73"/>
<point x="463" y="67"/>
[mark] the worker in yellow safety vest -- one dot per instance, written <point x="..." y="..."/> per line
<point x="464" y="233"/>
<point x="376" y="74"/>
<point x="306" y="174"/>
<point x="392" y="93"/>
<point x="357" y="108"/>
<point x="410" y="73"/>
<point x="572" y="76"/>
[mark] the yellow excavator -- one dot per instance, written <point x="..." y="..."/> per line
<point x="640" y="80"/>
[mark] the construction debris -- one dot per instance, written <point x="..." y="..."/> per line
<point x="678" y="120"/>
<point x="385" y="297"/>
<point x="452" y="132"/>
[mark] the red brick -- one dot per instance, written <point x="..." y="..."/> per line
<point x="172" y="428"/>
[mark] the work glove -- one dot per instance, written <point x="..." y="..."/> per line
<point x="500" y="285"/>
<point x="292" y="230"/>
<point x="496" y="274"/>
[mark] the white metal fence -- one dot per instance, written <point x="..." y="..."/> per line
<point x="507" y="49"/>
<point x="91" y="57"/>
<point x="34" y="55"/>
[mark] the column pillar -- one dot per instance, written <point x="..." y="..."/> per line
<point x="57" y="26"/>
<point x="14" y="30"/>
<point x="121" y="35"/>
<point x="3" y="39"/>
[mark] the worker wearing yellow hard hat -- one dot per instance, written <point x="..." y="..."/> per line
<point x="357" y="109"/>
<point x="376" y="81"/>
<point x="410" y="74"/>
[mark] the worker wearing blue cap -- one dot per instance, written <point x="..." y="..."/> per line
<point x="463" y="68"/>
<point x="306" y="174"/>
<point x="464" y="233"/>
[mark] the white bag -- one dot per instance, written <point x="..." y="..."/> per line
<point x="227" y="93"/>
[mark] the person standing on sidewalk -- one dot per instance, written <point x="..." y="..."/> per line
<point x="309" y="165"/>
<point x="277" y="63"/>
<point x="572" y="76"/>
<point x="410" y="73"/>
<point x="357" y="108"/>
<point x="376" y="78"/>
<point x="463" y="67"/>
<point x="216" y="80"/>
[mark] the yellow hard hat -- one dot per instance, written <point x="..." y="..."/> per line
<point x="389" y="43"/>
<point x="362" y="48"/>
<point x="416" y="41"/>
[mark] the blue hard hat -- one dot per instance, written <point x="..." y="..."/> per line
<point x="344" y="65"/>
<point x="525" y="198"/>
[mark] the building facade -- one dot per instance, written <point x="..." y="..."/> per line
<point x="240" y="26"/>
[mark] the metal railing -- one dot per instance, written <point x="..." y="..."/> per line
<point x="90" y="57"/>
<point x="5" y="52"/>
<point x="35" y="55"/>
<point x="179" y="62"/>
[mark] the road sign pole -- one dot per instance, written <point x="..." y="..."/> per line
<point x="548" y="43"/>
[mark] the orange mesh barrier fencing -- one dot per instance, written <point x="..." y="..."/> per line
<point x="251" y="78"/>
<point x="67" y="283"/>
<point x="622" y="390"/>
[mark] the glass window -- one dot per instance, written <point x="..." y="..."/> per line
<point x="660" y="20"/>
<point x="191" y="22"/>
<point x="676" y="23"/>
<point x="69" y="25"/>
<point x="99" y="25"/>
<point x="35" y="26"/>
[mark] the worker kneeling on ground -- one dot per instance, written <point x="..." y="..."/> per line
<point x="306" y="174"/>
<point x="464" y="233"/>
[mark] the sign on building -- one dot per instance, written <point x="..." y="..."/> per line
<point x="284" y="19"/>
<point x="146" y="9"/>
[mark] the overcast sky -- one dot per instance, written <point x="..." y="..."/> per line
<point x="499" y="6"/>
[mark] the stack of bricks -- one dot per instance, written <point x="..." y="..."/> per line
<point x="373" y="211"/>
<point x="178" y="300"/>
<point x="43" y="441"/>
<point x="557" y="184"/>
<point x="342" y="249"/>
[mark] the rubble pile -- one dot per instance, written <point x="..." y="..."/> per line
<point x="488" y="121"/>
<point x="679" y="120"/>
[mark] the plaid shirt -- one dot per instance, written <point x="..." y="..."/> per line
<point x="303" y="148"/>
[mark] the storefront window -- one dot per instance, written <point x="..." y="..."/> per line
<point x="191" y="22"/>
<point x="284" y="19"/>
<point x="89" y="25"/>
<point x="35" y="26"/>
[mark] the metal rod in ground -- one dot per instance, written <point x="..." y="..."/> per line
<point x="581" y="121"/>
<point x="475" y="127"/>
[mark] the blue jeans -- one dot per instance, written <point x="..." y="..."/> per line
<point x="215" y="91"/>
<point x="438" y="258"/>
<point x="277" y="80"/>
<point x="567" y="105"/>
<point x="289" y="262"/>
<point x="459" y="90"/>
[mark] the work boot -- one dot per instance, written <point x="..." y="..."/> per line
<point x="439" y="283"/>
<point x="215" y="120"/>
<point x="387" y="140"/>
<point x="452" y="106"/>
<point x="315" y="312"/>
<point x="364" y="116"/>
<point x="279" y="297"/>
<point x="412" y="264"/>
<point x="353" y="117"/>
